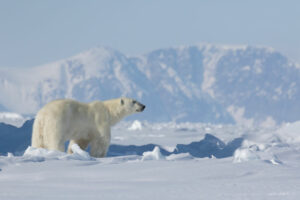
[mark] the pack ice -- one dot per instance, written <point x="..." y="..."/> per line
<point x="161" y="161"/>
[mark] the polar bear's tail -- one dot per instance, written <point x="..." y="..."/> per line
<point x="37" y="139"/>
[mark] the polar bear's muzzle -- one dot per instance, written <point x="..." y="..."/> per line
<point x="141" y="107"/>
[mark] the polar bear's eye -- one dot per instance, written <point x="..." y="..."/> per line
<point x="133" y="102"/>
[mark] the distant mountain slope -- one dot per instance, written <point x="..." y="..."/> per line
<point x="13" y="139"/>
<point x="206" y="83"/>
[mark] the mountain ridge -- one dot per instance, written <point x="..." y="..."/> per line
<point x="206" y="83"/>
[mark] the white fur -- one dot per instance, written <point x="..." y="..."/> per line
<point x="63" y="120"/>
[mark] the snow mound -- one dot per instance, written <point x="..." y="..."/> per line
<point x="244" y="154"/>
<point x="153" y="155"/>
<point x="40" y="154"/>
<point x="181" y="156"/>
<point x="251" y="150"/>
<point x="135" y="126"/>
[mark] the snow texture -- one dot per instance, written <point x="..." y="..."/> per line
<point x="163" y="161"/>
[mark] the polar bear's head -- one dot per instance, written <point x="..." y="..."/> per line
<point x="120" y="108"/>
<point x="131" y="106"/>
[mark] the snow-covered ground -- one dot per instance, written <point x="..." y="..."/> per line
<point x="164" y="161"/>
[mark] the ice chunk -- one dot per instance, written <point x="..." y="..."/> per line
<point x="244" y="154"/>
<point x="275" y="161"/>
<point x="10" y="155"/>
<point x="181" y="156"/>
<point x="153" y="155"/>
<point x="79" y="154"/>
<point x="135" y="126"/>
<point x="39" y="154"/>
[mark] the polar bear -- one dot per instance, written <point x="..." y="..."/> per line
<point x="81" y="123"/>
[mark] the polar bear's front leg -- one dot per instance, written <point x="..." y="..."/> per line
<point x="99" y="147"/>
<point x="100" y="144"/>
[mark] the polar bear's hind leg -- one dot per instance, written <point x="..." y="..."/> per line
<point x="37" y="139"/>
<point x="83" y="143"/>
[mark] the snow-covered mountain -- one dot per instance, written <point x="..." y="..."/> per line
<point x="12" y="119"/>
<point x="206" y="83"/>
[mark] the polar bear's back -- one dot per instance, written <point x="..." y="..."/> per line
<point x="63" y="118"/>
<point x="64" y="109"/>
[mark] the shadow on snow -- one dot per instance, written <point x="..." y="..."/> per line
<point x="208" y="147"/>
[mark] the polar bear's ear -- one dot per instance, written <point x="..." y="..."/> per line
<point x="122" y="102"/>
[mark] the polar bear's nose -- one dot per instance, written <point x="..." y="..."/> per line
<point x="141" y="107"/>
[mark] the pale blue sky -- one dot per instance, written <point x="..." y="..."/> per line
<point x="34" y="32"/>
